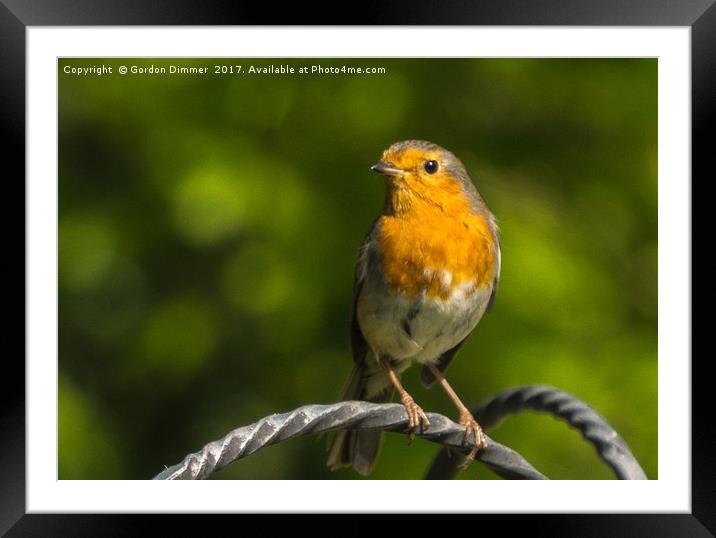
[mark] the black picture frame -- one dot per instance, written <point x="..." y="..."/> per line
<point x="699" y="15"/>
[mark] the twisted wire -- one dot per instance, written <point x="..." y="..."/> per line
<point x="314" y="419"/>
<point x="610" y="446"/>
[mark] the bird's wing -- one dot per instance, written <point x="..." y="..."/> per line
<point x="359" y="346"/>
<point x="498" y="266"/>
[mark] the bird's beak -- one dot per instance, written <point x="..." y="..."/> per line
<point x="386" y="169"/>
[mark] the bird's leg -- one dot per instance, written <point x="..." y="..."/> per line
<point x="417" y="420"/>
<point x="466" y="418"/>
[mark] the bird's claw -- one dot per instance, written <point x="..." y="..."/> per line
<point x="417" y="419"/>
<point x="472" y="428"/>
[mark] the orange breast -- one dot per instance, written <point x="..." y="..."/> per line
<point x="436" y="247"/>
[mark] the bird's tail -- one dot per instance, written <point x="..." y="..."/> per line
<point x="358" y="448"/>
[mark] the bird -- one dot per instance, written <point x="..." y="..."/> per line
<point x="426" y="273"/>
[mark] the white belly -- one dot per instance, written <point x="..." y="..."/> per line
<point x="420" y="329"/>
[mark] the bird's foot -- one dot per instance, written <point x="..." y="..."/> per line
<point x="417" y="420"/>
<point x="472" y="428"/>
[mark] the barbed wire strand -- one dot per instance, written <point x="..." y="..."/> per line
<point x="542" y="398"/>
<point x="314" y="419"/>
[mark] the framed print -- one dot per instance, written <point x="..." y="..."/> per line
<point x="197" y="190"/>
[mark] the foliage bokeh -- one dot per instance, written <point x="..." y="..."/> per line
<point x="209" y="225"/>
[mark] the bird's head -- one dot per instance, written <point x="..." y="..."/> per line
<point x="423" y="172"/>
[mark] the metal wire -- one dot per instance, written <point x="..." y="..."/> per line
<point x="313" y="419"/>
<point x="594" y="428"/>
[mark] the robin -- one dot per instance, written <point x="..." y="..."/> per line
<point x="426" y="273"/>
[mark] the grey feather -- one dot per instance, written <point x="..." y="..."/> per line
<point x="427" y="378"/>
<point x="357" y="448"/>
<point x="360" y="449"/>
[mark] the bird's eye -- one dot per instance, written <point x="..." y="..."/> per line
<point x="431" y="167"/>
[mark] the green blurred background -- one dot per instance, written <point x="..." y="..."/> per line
<point x="209" y="226"/>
